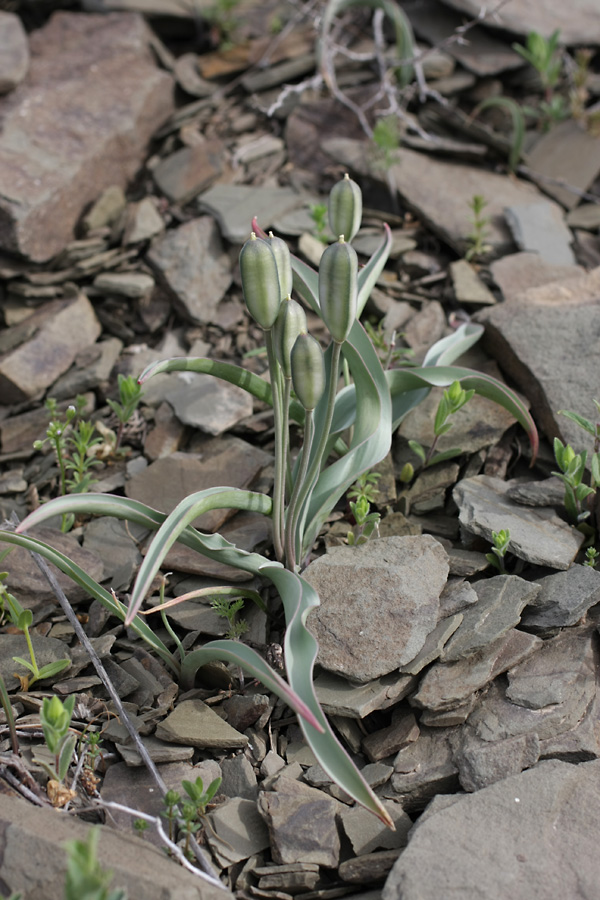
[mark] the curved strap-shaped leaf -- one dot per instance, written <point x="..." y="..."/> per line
<point x="249" y="660"/>
<point x="301" y="649"/>
<point x="176" y="522"/>
<point x="370" y="272"/>
<point x="407" y="385"/>
<point x="447" y="350"/>
<point x="372" y="436"/>
<point x="254" y="384"/>
<point x="94" y="589"/>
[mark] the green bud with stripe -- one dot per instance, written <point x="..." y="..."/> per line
<point x="308" y="370"/>
<point x="345" y="208"/>
<point x="338" y="288"/>
<point x="290" y="322"/>
<point x="260" y="281"/>
<point x="284" y="264"/>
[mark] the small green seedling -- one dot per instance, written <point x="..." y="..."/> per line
<point x="572" y="469"/>
<point x="453" y="399"/>
<point x="545" y="57"/>
<point x="477" y="238"/>
<point x="501" y="541"/>
<point x="14" y="896"/>
<point x="228" y="609"/>
<point x="171" y="801"/>
<point x="86" y="879"/>
<point x="130" y="394"/>
<point x="593" y="429"/>
<point x="387" y="137"/>
<point x="193" y="811"/>
<point x="318" y="213"/>
<point x="55" y="717"/>
<point x="363" y="493"/>
<point x="591" y="557"/>
<point x="23" y="619"/>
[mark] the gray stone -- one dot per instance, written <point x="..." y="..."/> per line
<point x="448" y="718"/>
<point x="301" y="822"/>
<point x="142" y="222"/>
<point x="159" y="752"/>
<point x="14" y="52"/>
<point x="568" y="153"/>
<point x="457" y="596"/>
<point x="564" y="598"/>
<point x="208" y="403"/>
<point x="243" y="710"/>
<point x="579" y="743"/>
<point x="379" y="601"/>
<point x="224" y="461"/>
<point x="498" y="609"/>
<point x="468" y="286"/>
<point x="189" y="78"/>
<point x="480" y="53"/>
<point x="113" y="543"/>
<point x="239" y="778"/>
<point x="446" y="685"/>
<point x="517" y="272"/>
<point x="426" y="326"/>
<point x="483" y="762"/>
<point x="387" y="741"/>
<point x="369" y="868"/>
<point x="195" y="723"/>
<point x="33" y="857"/>
<point x="425" y="768"/>
<point x="106" y="210"/>
<point x="339" y="697"/>
<point x="188" y="171"/>
<point x="56" y="334"/>
<point x="540" y="228"/>
<point x="91" y="370"/>
<point x="235" y="205"/>
<point x="544" y="824"/>
<point x="53" y="160"/>
<point x="439" y="191"/>
<point x="434" y="643"/>
<point x="236" y="831"/>
<point x="367" y="834"/>
<point x="280" y="878"/>
<point x="193" y="267"/>
<point x="537" y="535"/>
<point x="549" y="492"/>
<point x="534" y="340"/>
<point x="553" y="672"/>
<point x="578" y="25"/>
<point x="28" y="584"/>
<point x="586" y="216"/>
<point x="466" y="562"/>
<point x="132" y="285"/>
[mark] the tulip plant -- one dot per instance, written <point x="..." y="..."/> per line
<point x="346" y="432"/>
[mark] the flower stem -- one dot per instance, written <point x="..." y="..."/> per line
<point x="280" y="445"/>
<point x="294" y="509"/>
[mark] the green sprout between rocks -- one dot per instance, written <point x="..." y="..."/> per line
<point x="452" y="400"/>
<point x="55" y="717"/>
<point x="86" y="879"/>
<point x="500" y="543"/>
<point x="228" y="609"/>
<point x="477" y="238"/>
<point x="591" y="557"/>
<point x="130" y="394"/>
<point x="318" y="213"/>
<point x="360" y="498"/>
<point x="23" y="619"/>
<point x="345" y="431"/>
<point x="572" y="470"/>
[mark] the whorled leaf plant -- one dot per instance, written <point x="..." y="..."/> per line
<point x="306" y="488"/>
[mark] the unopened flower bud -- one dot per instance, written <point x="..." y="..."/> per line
<point x="260" y="281"/>
<point x="338" y="288"/>
<point x="281" y="252"/>
<point x="308" y="370"/>
<point x="290" y="322"/>
<point x="345" y="207"/>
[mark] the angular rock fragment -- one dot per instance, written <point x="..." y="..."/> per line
<point x="78" y="123"/>
<point x="564" y="598"/>
<point x="537" y="535"/>
<point x="14" y="52"/>
<point x="195" y="723"/>
<point x="236" y="831"/>
<point x="544" y="823"/>
<point x="339" y="697"/>
<point x="484" y="762"/>
<point x="379" y="602"/>
<point x="540" y="228"/>
<point x="424" y="768"/>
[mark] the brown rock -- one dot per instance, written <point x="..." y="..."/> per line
<point x="57" y="333"/>
<point x="78" y="123"/>
<point x="187" y="172"/>
<point x="14" y="52"/>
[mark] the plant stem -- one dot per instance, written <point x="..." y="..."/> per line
<point x="280" y="445"/>
<point x="293" y="509"/>
<point x="36" y="673"/>
<point x="307" y="483"/>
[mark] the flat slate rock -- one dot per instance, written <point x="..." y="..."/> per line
<point x="534" y="337"/>
<point x="53" y="336"/>
<point x="14" y="52"/>
<point x="570" y="154"/>
<point x="537" y="535"/>
<point x="541" y="228"/>
<point x="517" y="272"/>
<point x="379" y="601"/>
<point x="564" y="598"/>
<point x="438" y="192"/>
<point x="578" y="23"/>
<point x="196" y="724"/>
<point x="481" y="763"/>
<point x="193" y="266"/>
<point x="531" y="835"/>
<point x="235" y="205"/>
<point x="208" y="403"/>
<point x="78" y="123"/>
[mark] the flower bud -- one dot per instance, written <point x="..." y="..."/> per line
<point x="338" y="288"/>
<point x="260" y="281"/>
<point x="284" y="264"/>
<point x="290" y="322"/>
<point x="345" y="207"/>
<point x="308" y="370"/>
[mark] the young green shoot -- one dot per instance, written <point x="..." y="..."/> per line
<point x="318" y="213"/>
<point x="478" y="248"/>
<point x="501" y="541"/>
<point x="591" y="557"/>
<point x="130" y="394"/>
<point x="55" y="717"/>
<point x="572" y="470"/>
<point x="453" y="399"/>
<point x="23" y="619"/>
<point x="86" y="879"/>
<point x="360" y="497"/>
